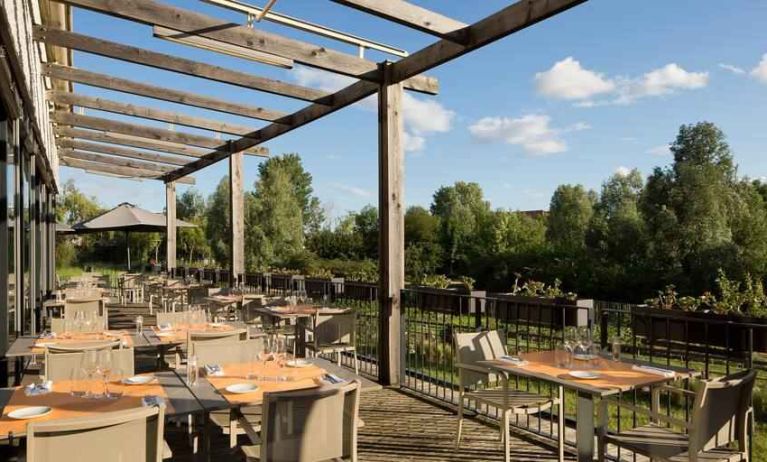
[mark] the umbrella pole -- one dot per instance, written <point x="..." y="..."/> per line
<point x="127" y="244"/>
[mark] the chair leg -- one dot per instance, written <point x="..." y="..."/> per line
<point x="232" y="430"/>
<point x="460" y="420"/>
<point x="506" y="454"/>
<point x="561" y="424"/>
<point x="356" y="363"/>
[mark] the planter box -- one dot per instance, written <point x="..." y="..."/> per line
<point x="545" y="312"/>
<point x="706" y="329"/>
<point x="452" y="301"/>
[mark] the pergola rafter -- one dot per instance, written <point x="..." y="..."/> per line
<point x="97" y="142"/>
<point x="113" y="170"/>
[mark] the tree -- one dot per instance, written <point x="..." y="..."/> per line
<point x="462" y="210"/>
<point x="420" y="225"/>
<point x="73" y="206"/>
<point x="190" y="207"/>
<point x="300" y="182"/>
<point x="217" y="227"/>
<point x="569" y="216"/>
<point x="366" y="226"/>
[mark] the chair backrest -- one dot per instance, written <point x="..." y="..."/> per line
<point x="63" y="365"/>
<point x="194" y="338"/>
<point x="229" y="352"/>
<point x="472" y="347"/>
<point x="311" y="425"/>
<point x="59" y="325"/>
<point x="132" y="434"/>
<point x="171" y="318"/>
<point x="88" y="306"/>
<point x="82" y="292"/>
<point x="335" y="328"/>
<point x="719" y="411"/>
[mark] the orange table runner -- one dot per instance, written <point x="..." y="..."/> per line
<point x="78" y="338"/>
<point x="66" y="406"/>
<point x="295" y="378"/>
<point x="179" y="333"/>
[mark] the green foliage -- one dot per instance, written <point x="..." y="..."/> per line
<point x="435" y="281"/>
<point x="569" y="215"/>
<point x="540" y="289"/>
<point x="191" y="208"/>
<point x="299" y="183"/>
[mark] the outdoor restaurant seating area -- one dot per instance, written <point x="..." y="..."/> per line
<point x="260" y="372"/>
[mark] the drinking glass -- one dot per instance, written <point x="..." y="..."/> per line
<point x="114" y="387"/>
<point x="139" y="324"/>
<point x="104" y="368"/>
<point x="584" y="341"/>
<point x="192" y="371"/>
<point x="77" y="380"/>
<point x="89" y="363"/>
<point x="615" y="348"/>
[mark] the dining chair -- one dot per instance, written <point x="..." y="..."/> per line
<point x="88" y="306"/>
<point x="60" y="325"/>
<point x="62" y="365"/>
<point x="222" y="353"/>
<point x="171" y="318"/>
<point x="132" y="434"/>
<point x="334" y="333"/>
<point x="477" y="383"/>
<point x="311" y="425"/>
<point x="196" y="338"/>
<point x="721" y="414"/>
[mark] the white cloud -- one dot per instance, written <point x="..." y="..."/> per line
<point x="622" y="171"/>
<point x="353" y="190"/>
<point x="760" y="71"/>
<point x="662" y="150"/>
<point x="733" y="69"/>
<point x="422" y="116"/>
<point x="567" y="79"/>
<point x="533" y="132"/>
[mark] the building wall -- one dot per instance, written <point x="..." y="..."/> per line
<point x="22" y="15"/>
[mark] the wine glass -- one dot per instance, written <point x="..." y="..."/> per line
<point x="584" y="341"/>
<point x="104" y="368"/>
<point x="89" y="365"/>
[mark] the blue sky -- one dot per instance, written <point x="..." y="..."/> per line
<point x="598" y="89"/>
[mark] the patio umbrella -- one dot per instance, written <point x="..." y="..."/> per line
<point x="128" y="218"/>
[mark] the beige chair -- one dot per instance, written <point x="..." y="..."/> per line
<point x="195" y="338"/>
<point x="221" y="353"/>
<point x="61" y="365"/>
<point x="334" y="333"/>
<point x="133" y="434"/>
<point x="60" y="325"/>
<point x="720" y="416"/>
<point x="477" y="383"/>
<point x="312" y="425"/>
<point x="92" y="306"/>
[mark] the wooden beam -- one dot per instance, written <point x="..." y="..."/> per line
<point x="118" y="171"/>
<point x="120" y="152"/>
<point x="172" y="63"/>
<point x="142" y="131"/>
<point x="160" y="14"/>
<point x="170" y="227"/>
<point x="513" y="18"/>
<point x="237" y="219"/>
<point x="150" y="91"/>
<point x="103" y="104"/>
<point x="118" y="161"/>
<point x="489" y="29"/>
<point x="132" y="141"/>
<point x="391" y="213"/>
<point x="410" y="15"/>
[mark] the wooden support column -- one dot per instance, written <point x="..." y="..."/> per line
<point x="391" y="221"/>
<point x="170" y="214"/>
<point x="236" y="220"/>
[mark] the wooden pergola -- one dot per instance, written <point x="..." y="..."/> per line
<point x="114" y="147"/>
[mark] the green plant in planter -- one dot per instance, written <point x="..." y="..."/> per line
<point x="688" y="303"/>
<point x="468" y="282"/>
<point x="436" y="281"/>
<point x="541" y="290"/>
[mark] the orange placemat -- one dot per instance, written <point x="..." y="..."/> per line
<point x="179" y="334"/>
<point x="80" y="338"/>
<point x="66" y="406"/>
<point x="296" y="378"/>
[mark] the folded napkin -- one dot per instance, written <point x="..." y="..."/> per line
<point x="34" y="389"/>
<point x="515" y="360"/>
<point x="332" y="379"/>
<point x="152" y="400"/>
<point x="165" y="327"/>
<point x="655" y="370"/>
<point x="214" y="370"/>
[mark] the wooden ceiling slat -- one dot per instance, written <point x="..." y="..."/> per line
<point x="150" y="91"/>
<point x="172" y="63"/>
<point x="103" y="104"/>
<point x="113" y="170"/>
<point x="120" y="151"/>
<point x="111" y="160"/>
<point x="160" y="14"/>
<point x="132" y="141"/>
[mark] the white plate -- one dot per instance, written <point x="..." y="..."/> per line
<point x="30" y="412"/>
<point x="164" y="334"/>
<point x="585" y="357"/>
<point x="298" y="363"/>
<point x="138" y="380"/>
<point x="217" y="324"/>
<point x="240" y="388"/>
<point x="585" y="375"/>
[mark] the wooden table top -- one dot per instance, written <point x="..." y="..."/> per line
<point x="299" y="311"/>
<point x="30" y="345"/>
<point x="211" y="394"/>
<point x="178" y="334"/>
<point x="178" y="401"/>
<point x="614" y="376"/>
<point x="80" y="338"/>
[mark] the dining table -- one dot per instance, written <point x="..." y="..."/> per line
<point x="603" y="377"/>
<point x="298" y="315"/>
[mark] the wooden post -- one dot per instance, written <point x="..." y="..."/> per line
<point x="391" y="221"/>
<point x="236" y="219"/>
<point x="170" y="214"/>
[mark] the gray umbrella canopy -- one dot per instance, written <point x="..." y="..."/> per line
<point x="127" y="217"/>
